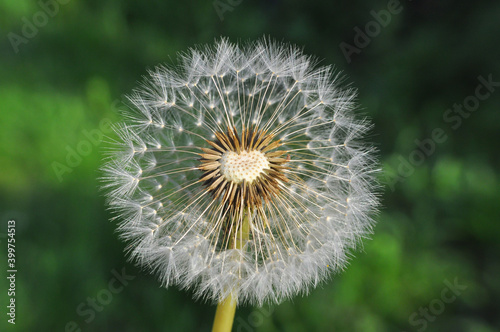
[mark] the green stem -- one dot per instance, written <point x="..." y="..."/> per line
<point x="242" y="236"/>
<point x="224" y="315"/>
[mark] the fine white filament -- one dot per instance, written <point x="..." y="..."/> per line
<point x="176" y="228"/>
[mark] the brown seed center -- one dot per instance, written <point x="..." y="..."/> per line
<point x="244" y="171"/>
<point x="246" y="165"/>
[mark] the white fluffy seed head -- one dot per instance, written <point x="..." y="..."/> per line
<point x="246" y="165"/>
<point x="302" y="205"/>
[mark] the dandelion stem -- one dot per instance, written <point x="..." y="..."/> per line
<point x="224" y="315"/>
<point x="242" y="233"/>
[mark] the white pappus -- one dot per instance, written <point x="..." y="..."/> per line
<point x="242" y="171"/>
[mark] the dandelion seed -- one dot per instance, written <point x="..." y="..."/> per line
<point x="254" y="181"/>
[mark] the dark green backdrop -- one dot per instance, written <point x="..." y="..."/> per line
<point x="433" y="262"/>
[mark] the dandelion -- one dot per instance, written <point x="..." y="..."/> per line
<point x="240" y="175"/>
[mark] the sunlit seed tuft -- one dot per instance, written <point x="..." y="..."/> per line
<point x="242" y="170"/>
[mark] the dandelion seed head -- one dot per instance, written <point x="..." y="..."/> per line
<point x="242" y="170"/>
<point x="245" y="166"/>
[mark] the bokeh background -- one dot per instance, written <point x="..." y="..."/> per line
<point x="63" y="75"/>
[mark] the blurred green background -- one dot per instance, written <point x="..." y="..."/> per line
<point x="63" y="75"/>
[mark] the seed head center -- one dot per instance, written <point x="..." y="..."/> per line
<point x="246" y="165"/>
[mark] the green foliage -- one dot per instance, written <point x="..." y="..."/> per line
<point x="440" y="218"/>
